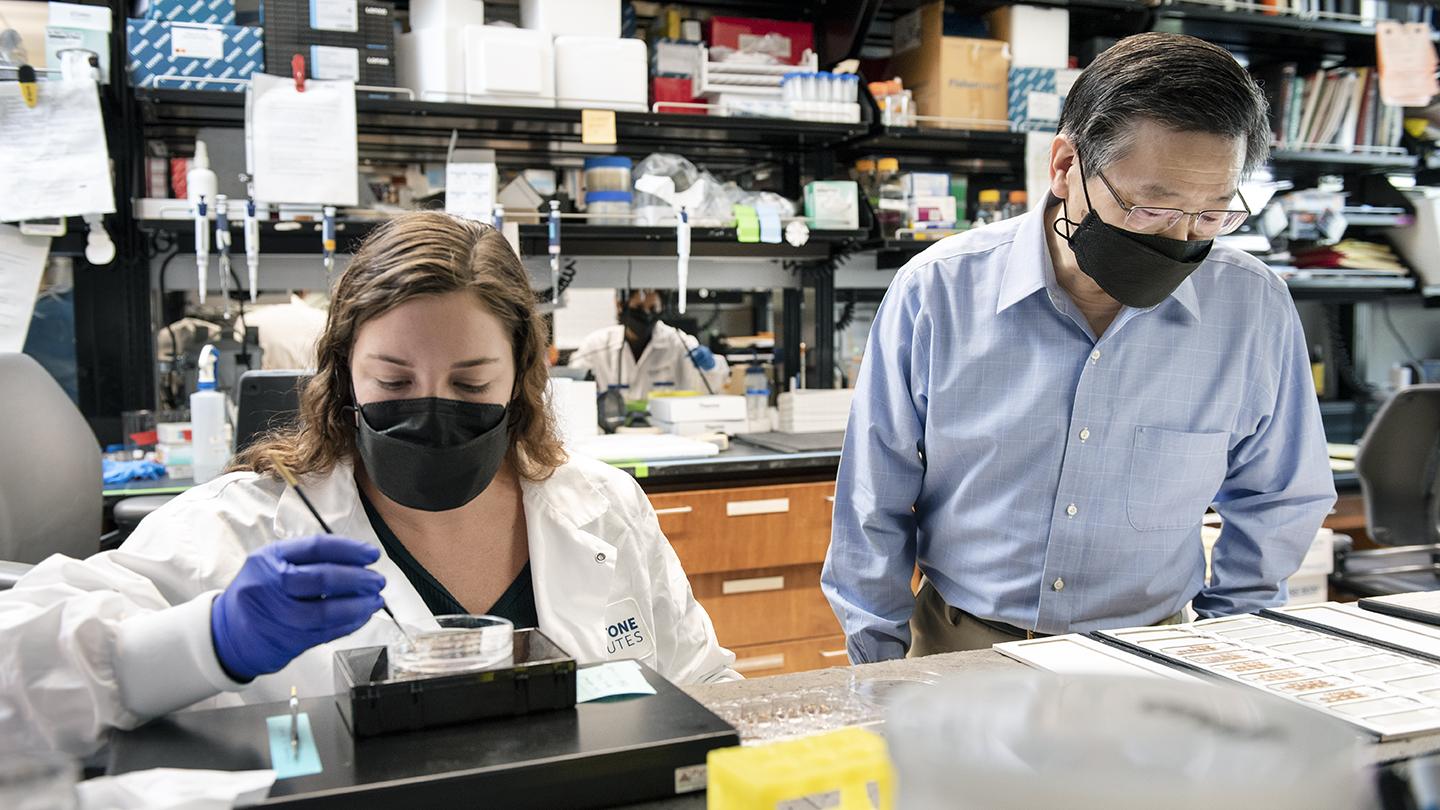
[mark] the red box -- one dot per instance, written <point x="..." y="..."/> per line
<point x="734" y="32"/>
<point x="675" y="89"/>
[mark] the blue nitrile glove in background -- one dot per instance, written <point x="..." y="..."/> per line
<point x="120" y="472"/>
<point x="703" y="357"/>
<point x="290" y="596"/>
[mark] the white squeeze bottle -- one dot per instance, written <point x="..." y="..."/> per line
<point x="207" y="421"/>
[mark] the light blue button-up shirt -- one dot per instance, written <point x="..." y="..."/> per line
<point x="1053" y="481"/>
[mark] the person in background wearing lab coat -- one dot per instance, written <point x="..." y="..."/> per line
<point x="288" y="332"/>
<point x="643" y="354"/>
<point x="425" y="444"/>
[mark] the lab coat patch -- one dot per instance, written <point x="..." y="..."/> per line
<point x="626" y="633"/>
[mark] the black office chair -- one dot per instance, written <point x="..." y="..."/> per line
<point x="50" y="482"/>
<point x="1399" y="469"/>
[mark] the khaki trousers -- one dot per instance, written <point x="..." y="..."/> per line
<point x="936" y="627"/>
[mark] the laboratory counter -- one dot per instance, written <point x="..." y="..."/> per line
<point x="898" y="674"/>
<point x="740" y="465"/>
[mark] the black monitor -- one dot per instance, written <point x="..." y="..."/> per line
<point x="266" y="401"/>
<point x="1399" y="469"/>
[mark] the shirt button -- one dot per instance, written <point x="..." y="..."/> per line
<point x="1085" y="434"/>
<point x="1095" y="356"/>
<point x="1071" y="510"/>
<point x="1059" y="584"/>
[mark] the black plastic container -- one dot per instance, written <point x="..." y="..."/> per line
<point x="542" y="678"/>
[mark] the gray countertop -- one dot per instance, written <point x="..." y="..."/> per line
<point x="935" y="665"/>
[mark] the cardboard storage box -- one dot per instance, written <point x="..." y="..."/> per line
<point x="182" y="55"/>
<point x="211" y="12"/>
<point x="366" y="27"/>
<point x="1037" y="96"/>
<point x="956" y="78"/>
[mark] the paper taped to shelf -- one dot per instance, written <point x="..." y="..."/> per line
<point x="54" y="162"/>
<point x="302" y="145"/>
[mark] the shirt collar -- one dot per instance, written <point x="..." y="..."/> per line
<point x="1030" y="270"/>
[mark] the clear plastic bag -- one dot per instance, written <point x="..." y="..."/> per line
<point x="1002" y="740"/>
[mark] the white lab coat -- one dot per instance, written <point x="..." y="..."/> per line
<point x="665" y="362"/>
<point x="288" y="333"/>
<point x="124" y="636"/>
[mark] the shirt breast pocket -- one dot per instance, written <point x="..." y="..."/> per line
<point x="1174" y="476"/>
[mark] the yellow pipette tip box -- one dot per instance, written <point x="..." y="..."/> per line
<point x="852" y="762"/>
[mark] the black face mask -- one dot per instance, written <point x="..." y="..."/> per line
<point x="432" y="454"/>
<point x="1138" y="270"/>
<point x="640" y="321"/>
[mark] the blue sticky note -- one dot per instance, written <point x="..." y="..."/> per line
<point x="287" y="760"/>
<point x="769" y="223"/>
<point x="610" y="680"/>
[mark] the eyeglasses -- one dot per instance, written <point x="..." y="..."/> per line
<point x="1204" y="224"/>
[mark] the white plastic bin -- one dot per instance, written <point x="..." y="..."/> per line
<point x="449" y="14"/>
<point x="431" y="62"/>
<point x="591" y="18"/>
<point x="595" y="72"/>
<point x="509" y="66"/>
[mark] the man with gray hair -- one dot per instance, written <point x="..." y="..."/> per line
<point x="1048" y="405"/>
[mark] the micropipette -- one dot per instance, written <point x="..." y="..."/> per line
<point x="555" y="251"/>
<point x="328" y="236"/>
<point x="202" y="246"/>
<point x="252" y="247"/>
<point x="682" y="252"/>
<point x="222" y="244"/>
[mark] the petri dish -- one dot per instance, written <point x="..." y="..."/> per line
<point x="463" y="643"/>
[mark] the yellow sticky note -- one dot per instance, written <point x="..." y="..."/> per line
<point x="597" y="127"/>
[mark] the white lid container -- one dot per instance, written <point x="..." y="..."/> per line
<point x="717" y="408"/>
<point x="596" y="72"/>
<point x="509" y="66"/>
<point x="431" y="62"/>
<point x="593" y="18"/>
<point x="430" y="14"/>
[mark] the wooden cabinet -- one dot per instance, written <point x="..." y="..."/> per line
<point x="753" y="556"/>
<point x="766" y="605"/>
<point x="759" y="660"/>
<point x="722" y="530"/>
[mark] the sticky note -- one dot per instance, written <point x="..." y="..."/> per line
<point x="747" y="224"/>
<point x="769" y="224"/>
<point x="597" y="127"/>
<point x="610" y="680"/>
<point x="288" y="761"/>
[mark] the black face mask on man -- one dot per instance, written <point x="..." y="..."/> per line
<point x="1137" y="269"/>
<point x="640" y="321"/>
<point x="432" y="454"/>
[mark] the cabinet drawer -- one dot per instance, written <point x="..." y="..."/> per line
<point x="765" y="605"/>
<point x="747" y="527"/>
<point x="759" y="660"/>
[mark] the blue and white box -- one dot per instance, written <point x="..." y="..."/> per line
<point x="1037" y="95"/>
<point x="209" y="12"/>
<point x="187" y="56"/>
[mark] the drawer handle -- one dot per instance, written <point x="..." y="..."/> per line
<point x="754" y="585"/>
<point x="834" y="653"/>
<point x="773" y="506"/>
<point x="675" y="510"/>
<point x="830" y="498"/>
<point x="760" y="662"/>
